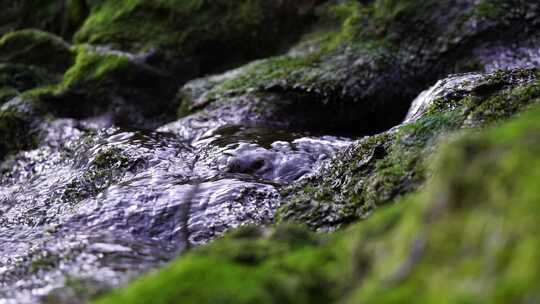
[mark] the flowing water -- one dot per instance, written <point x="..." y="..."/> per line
<point x="95" y="207"/>
<point x="443" y="87"/>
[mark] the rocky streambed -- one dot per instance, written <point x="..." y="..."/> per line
<point x="188" y="151"/>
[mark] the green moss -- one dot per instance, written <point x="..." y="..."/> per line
<point x="99" y="78"/>
<point x="337" y="27"/>
<point x="501" y="106"/>
<point x="261" y="74"/>
<point x="36" y="48"/>
<point x="61" y="17"/>
<point x="384" y="167"/>
<point x="356" y="51"/>
<point x="210" y="33"/>
<point x="107" y="167"/>
<point x="22" y="78"/>
<point x="93" y="81"/>
<point x="7" y="93"/>
<point x="16" y="131"/>
<point x="110" y="159"/>
<point x="44" y="263"/>
<point x="364" y="40"/>
<point x="93" y="68"/>
<point x="477" y="225"/>
<point x="30" y="59"/>
<point x="469" y="237"/>
<point x="281" y="274"/>
<point x="493" y="9"/>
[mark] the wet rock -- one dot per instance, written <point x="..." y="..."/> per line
<point x="366" y="73"/>
<point x="378" y="169"/>
<point x="108" y="172"/>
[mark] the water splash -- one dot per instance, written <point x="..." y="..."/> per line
<point x="451" y="84"/>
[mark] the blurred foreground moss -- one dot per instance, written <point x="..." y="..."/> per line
<point x="470" y="237"/>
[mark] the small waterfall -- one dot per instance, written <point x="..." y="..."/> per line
<point x="450" y="84"/>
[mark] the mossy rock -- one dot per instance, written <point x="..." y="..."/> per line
<point x="22" y="78"/>
<point x="61" y="17"/>
<point x="272" y="269"/>
<point x="7" y="93"/>
<point x="104" y="80"/>
<point x="469" y="237"/>
<point x="30" y="59"/>
<point x="195" y="37"/>
<point x="402" y="45"/>
<point x="381" y="168"/>
<point x="19" y="127"/>
<point x="36" y="48"/>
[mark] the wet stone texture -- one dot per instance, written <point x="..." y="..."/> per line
<point x="103" y="205"/>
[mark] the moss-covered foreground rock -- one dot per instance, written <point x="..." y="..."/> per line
<point x="469" y="237"/>
<point x="380" y="168"/>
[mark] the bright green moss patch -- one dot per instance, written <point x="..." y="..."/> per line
<point x="470" y="237"/>
<point x="260" y="74"/>
<point x="478" y="232"/>
<point x="92" y="78"/>
<point x="94" y="67"/>
<point x="273" y="269"/>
